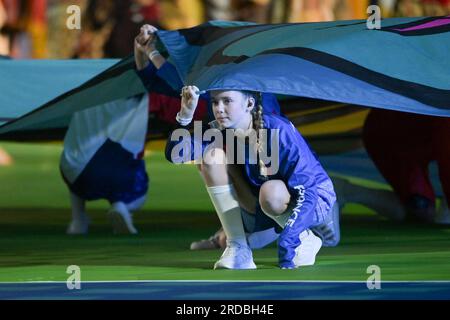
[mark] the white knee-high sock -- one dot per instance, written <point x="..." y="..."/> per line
<point x="227" y="207"/>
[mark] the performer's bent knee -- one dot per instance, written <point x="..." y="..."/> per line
<point x="274" y="197"/>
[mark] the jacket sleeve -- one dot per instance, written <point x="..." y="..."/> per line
<point x="164" y="80"/>
<point x="184" y="146"/>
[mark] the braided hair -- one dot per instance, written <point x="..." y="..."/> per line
<point x="258" y="126"/>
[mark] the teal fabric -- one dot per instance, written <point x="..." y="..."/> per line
<point x="27" y="84"/>
<point x="403" y="66"/>
<point x="67" y="87"/>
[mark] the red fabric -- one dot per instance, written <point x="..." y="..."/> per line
<point x="402" y="145"/>
<point x="441" y="2"/>
<point x="166" y="107"/>
<point x="151" y="12"/>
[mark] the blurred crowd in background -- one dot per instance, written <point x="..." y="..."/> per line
<point x="37" y="28"/>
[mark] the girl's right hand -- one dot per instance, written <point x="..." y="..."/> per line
<point x="146" y="39"/>
<point x="189" y="100"/>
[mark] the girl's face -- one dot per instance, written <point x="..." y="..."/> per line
<point x="232" y="109"/>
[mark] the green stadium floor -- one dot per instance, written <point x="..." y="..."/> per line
<point x="34" y="212"/>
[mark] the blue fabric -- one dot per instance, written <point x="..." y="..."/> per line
<point x="166" y="80"/>
<point x="403" y="66"/>
<point x="396" y="67"/>
<point x="101" y="178"/>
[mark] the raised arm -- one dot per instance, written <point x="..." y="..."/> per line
<point x="145" y="50"/>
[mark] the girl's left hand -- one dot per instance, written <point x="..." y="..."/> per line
<point x="146" y="40"/>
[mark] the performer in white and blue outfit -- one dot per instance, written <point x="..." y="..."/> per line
<point x="102" y="159"/>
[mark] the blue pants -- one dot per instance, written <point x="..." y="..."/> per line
<point x="258" y="221"/>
